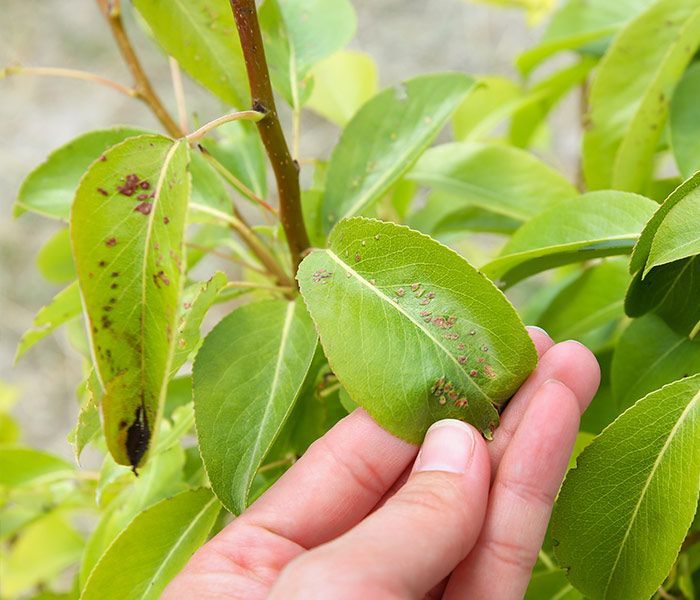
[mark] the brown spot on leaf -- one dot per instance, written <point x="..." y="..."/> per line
<point x="166" y="220"/>
<point x="103" y="191"/>
<point x="111" y="242"/>
<point x="131" y="183"/>
<point x="159" y="277"/>
<point x="144" y="208"/>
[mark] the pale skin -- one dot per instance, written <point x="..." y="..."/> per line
<point x="365" y="515"/>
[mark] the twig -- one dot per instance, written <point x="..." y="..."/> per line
<point x="70" y="74"/>
<point x="179" y="92"/>
<point x="286" y="170"/>
<point x="244" y="115"/>
<point x="251" y="240"/>
<point x="225" y="256"/>
<point x="144" y="90"/>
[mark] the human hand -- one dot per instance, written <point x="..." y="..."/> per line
<point x="360" y="516"/>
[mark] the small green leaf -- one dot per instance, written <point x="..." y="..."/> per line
<point x="637" y="482"/>
<point x="649" y="355"/>
<point x="127" y="227"/>
<point x="153" y="548"/>
<point x="201" y="35"/>
<point x="385" y="138"/>
<point x="413" y="332"/>
<point x="88" y="425"/>
<point x="593" y="225"/>
<point x="551" y="585"/>
<point x="54" y="260"/>
<point x="64" y="307"/>
<point x="207" y="186"/>
<point x="195" y="302"/>
<point x="342" y="83"/>
<point x="593" y="299"/>
<point x="50" y="187"/>
<point x="685" y="122"/>
<point x="500" y="179"/>
<point x="247" y="377"/>
<point x="490" y="101"/>
<point x="28" y="467"/>
<point x="629" y="106"/>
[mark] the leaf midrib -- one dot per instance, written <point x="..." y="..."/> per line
<point x="408" y="316"/>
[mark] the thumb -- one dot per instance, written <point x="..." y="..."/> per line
<point x="417" y="538"/>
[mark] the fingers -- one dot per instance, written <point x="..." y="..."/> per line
<point x="415" y="539"/>
<point x="521" y="499"/>
<point x="569" y="362"/>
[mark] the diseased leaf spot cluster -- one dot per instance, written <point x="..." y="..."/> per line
<point x="321" y="276"/>
<point x="445" y="391"/>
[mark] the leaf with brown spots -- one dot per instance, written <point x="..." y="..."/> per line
<point x="129" y="270"/>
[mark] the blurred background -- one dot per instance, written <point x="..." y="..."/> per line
<point x="37" y="114"/>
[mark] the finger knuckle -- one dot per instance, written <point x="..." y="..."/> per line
<point x="513" y="554"/>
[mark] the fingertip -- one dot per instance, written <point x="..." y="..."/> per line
<point x="540" y="338"/>
<point x="583" y="370"/>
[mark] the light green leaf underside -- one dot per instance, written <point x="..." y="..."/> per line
<point x="638" y="481"/>
<point x="384" y="139"/>
<point x="629" y="103"/>
<point x="498" y="178"/>
<point x="593" y="225"/>
<point x="26" y="466"/>
<point x="649" y="355"/>
<point x="49" y="189"/>
<point x="128" y="246"/>
<point x="54" y="260"/>
<point x="246" y="378"/>
<point x="153" y="548"/>
<point x="201" y="35"/>
<point x="413" y="332"/>
<point x="684" y="122"/>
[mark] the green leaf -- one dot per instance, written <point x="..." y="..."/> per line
<point x="50" y="187"/>
<point x="629" y="106"/>
<point x="593" y="225"/>
<point x="593" y="299"/>
<point x="637" y="482"/>
<point x="29" y="467"/>
<point x="64" y="307"/>
<point x="684" y="120"/>
<point x="551" y="585"/>
<point x="500" y="179"/>
<point x="246" y="377"/>
<point x="342" y="83"/>
<point x="88" y="425"/>
<point x="207" y="186"/>
<point x="196" y="301"/>
<point x="54" y="260"/>
<point x="153" y="548"/>
<point x="649" y="355"/>
<point x="201" y="35"/>
<point x="412" y="331"/>
<point x="577" y="24"/>
<point x="385" y="138"/>
<point x="300" y="33"/>
<point x="41" y="552"/>
<point x="127" y="227"/>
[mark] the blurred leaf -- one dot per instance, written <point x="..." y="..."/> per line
<point x="342" y="83"/>
<point x="371" y="295"/>
<point x="29" y="467"/>
<point x="64" y="306"/>
<point x="551" y="585"/>
<point x="629" y="106"/>
<point x="498" y="178"/>
<point x="127" y="227"/>
<point x="207" y="186"/>
<point x="685" y="122"/>
<point x="201" y="35"/>
<point x="536" y="9"/>
<point x="648" y="356"/>
<point x="594" y="298"/>
<point x="195" y="303"/>
<point x="49" y="189"/>
<point x="638" y="481"/>
<point x="384" y="138"/>
<point x="593" y="225"/>
<point x="43" y="550"/>
<point x="88" y="425"/>
<point x="578" y="23"/>
<point x="247" y="377"/>
<point x="490" y="101"/>
<point x="148" y="554"/>
<point x="54" y="260"/>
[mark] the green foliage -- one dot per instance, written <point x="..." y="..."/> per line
<point x="385" y="316"/>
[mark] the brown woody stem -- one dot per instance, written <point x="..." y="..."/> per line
<point x="286" y="170"/>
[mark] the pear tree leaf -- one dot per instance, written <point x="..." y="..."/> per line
<point x="594" y="225"/>
<point x="246" y="378"/>
<point x="638" y="481"/>
<point x="384" y="138"/>
<point x="413" y="332"/>
<point x="23" y="467"/>
<point x="684" y="120"/>
<point x="54" y="260"/>
<point x="153" y="548"/>
<point x="498" y="178"/>
<point x="88" y="425"/>
<point x="127" y="228"/>
<point x="629" y="106"/>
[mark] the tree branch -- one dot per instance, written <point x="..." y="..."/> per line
<point x="286" y="170"/>
<point x="70" y="74"/>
